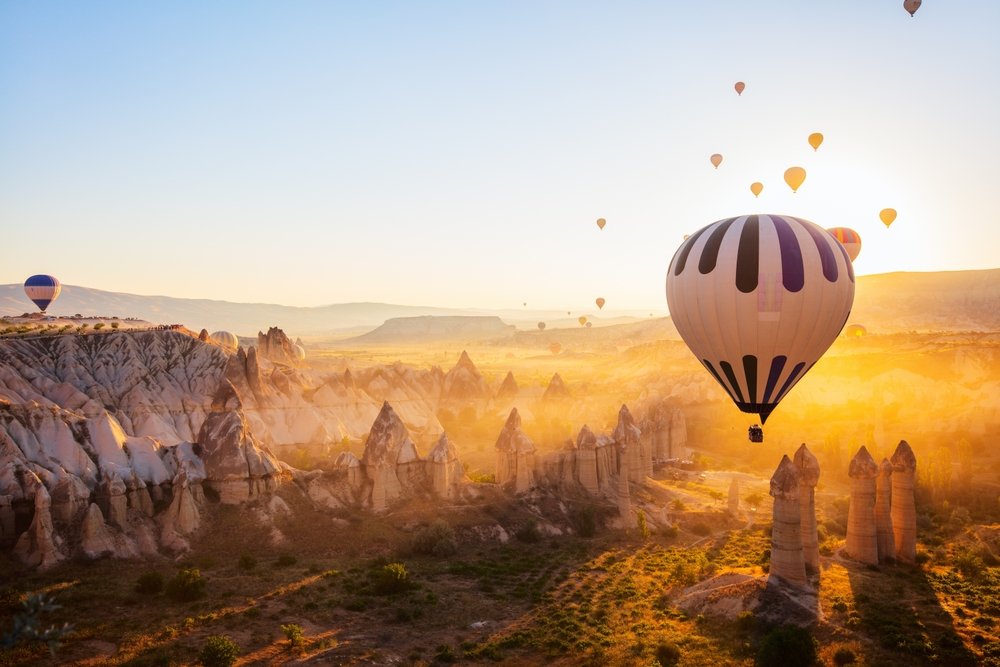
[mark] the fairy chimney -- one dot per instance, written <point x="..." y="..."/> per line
<point x="586" y="460"/>
<point x="904" y="511"/>
<point x="883" y="517"/>
<point x="787" y="562"/>
<point x="808" y="478"/>
<point x="734" y="497"/>
<point x="862" y="544"/>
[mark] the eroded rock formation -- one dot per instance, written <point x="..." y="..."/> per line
<point x="904" y="511"/>
<point x="276" y="346"/>
<point x="515" y="456"/>
<point x="787" y="560"/>
<point x="883" y="517"/>
<point x="862" y="542"/>
<point x="808" y="468"/>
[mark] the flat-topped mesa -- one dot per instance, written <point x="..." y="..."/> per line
<point x="633" y="450"/>
<point x="883" y="513"/>
<point x="508" y="388"/>
<point x="808" y="478"/>
<point x="446" y="469"/>
<point x="515" y="456"/>
<point x="904" y="509"/>
<point x="787" y="560"/>
<point x="556" y="389"/>
<point x="862" y="541"/>
<point x="586" y="460"/>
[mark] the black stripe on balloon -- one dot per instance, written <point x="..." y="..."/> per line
<point x="748" y="256"/>
<point x="710" y="253"/>
<point x="792" y="271"/>
<point x="790" y="381"/>
<point x="686" y="250"/>
<point x="711" y="369"/>
<point x="750" y="373"/>
<point x="728" y="370"/>
<point x="847" y="261"/>
<point x="826" y="257"/>
<point x="777" y="365"/>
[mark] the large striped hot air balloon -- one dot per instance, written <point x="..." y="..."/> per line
<point x="848" y="238"/>
<point x="226" y="340"/>
<point x="42" y="290"/>
<point x="759" y="299"/>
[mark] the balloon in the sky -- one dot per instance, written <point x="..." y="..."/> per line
<point x="524" y="303"/>
<point x="589" y="324"/>
<point x="226" y="340"/>
<point x="815" y="140"/>
<point x="795" y="176"/>
<point x="42" y="290"/>
<point x="541" y="326"/>
<point x="740" y="87"/>
<point x="601" y="222"/>
<point x="600" y="302"/>
<point x="568" y="312"/>
<point x="582" y="320"/>
<point x="756" y="188"/>
<point x="855" y="331"/>
<point x="911" y="6"/>
<point x="887" y="216"/>
<point x="300" y="352"/>
<point x="716" y="160"/>
<point x="848" y="238"/>
<point x="759" y="299"/>
<point x="555" y="348"/>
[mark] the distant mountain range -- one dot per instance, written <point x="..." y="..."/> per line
<point x="891" y="302"/>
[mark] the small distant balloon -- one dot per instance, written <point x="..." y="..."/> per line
<point x="589" y="324"/>
<point x="855" y="331"/>
<point x="911" y="6"/>
<point x="740" y="86"/>
<point x="600" y="302"/>
<point x="795" y="176"/>
<point x="555" y="348"/>
<point x="225" y="340"/>
<point x="541" y="326"/>
<point x="300" y="353"/>
<point x="42" y="290"/>
<point x="582" y="320"/>
<point x="601" y="222"/>
<point x="524" y="303"/>
<point x="756" y="188"/>
<point x="815" y="140"/>
<point x="848" y="238"/>
<point x="887" y="215"/>
<point x="568" y="312"/>
<point x="716" y="160"/>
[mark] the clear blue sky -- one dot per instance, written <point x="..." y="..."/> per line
<point x="458" y="154"/>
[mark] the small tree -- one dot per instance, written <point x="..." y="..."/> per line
<point x="640" y="521"/>
<point x="219" y="651"/>
<point x="754" y="500"/>
<point x="294" y="635"/>
<point x="186" y="585"/>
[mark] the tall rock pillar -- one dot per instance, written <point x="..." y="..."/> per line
<point x="808" y="478"/>
<point x="787" y="562"/>
<point x="862" y="543"/>
<point x="904" y="509"/>
<point x="883" y="516"/>
<point x="734" y="496"/>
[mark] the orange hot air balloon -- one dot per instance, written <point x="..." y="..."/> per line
<point x="740" y="86"/>
<point x="815" y="140"/>
<point x="795" y="176"/>
<point x="716" y="160"/>
<point x="848" y="238"/>
<point x="756" y="188"/>
<point x="600" y="302"/>
<point x="589" y="324"/>
<point x="555" y="348"/>
<point x="601" y="222"/>
<point x="887" y="215"/>
<point x="911" y="6"/>
<point x="582" y="320"/>
<point x="541" y="326"/>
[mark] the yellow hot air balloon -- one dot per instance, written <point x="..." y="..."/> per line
<point x="887" y="215"/>
<point x="756" y="188"/>
<point x="855" y="331"/>
<point x="601" y="222"/>
<point x="716" y="160"/>
<point x="582" y="320"/>
<point x="600" y="302"/>
<point x="795" y="176"/>
<point x="815" y="140"/>
<point x="911" y="6"/>
<point x="740" y="86"/>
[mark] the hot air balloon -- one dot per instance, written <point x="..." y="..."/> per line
<point x="911" y="6"/>
<point x="601" y="222"/>
<point x="525" y="304"/>
<point x="815" y="140"/>
<point x="300" y="353"/>
<point x="42" y="290"/>
<point x="582" y="320"/>
<point x="568" y="312"/>
<point x="541" y="326"/>
<point x="795" y="176"/>
<point x="758" y="299"/>
<point x="555" y="348"/>
<point x="589" y="324"/>
<point x="600" y="302"/>
<point x="716" y="160"/>
<point x="855" y="331"/>
<point x="887" y="215"/>
<point x="740" y="86"/>
<point x="227" y="341"/>
<point x="756" y="188"/>
<point x="848" y="238"/>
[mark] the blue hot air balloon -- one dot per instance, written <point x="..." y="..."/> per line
<point x="42" y="290"/>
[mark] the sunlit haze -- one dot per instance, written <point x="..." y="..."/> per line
<point x="458" y="154"/>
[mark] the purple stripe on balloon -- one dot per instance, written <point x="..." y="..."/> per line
<point x="826" y="257"/>
<point x="686" y="250"/>
<point x="792" y="272"/>
<point x="710" y="253"/>
<point x="792" y="377"/>
<point x="711" y="369"/>
<point x="777" y="365"/>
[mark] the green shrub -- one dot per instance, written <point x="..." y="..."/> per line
<point x="844" y="656"/>
<point x="149" y="583"/>
<point x="445" y="653"/>
<point x="186" y="585"/>
<point x="584" y="521"/>
<point x="114" y="325"/>
<point x="98" y="326"/>
<point x="219" y="651"/>
<point x="641" y="525"/>
<point x="437" y="539"/>
<point x="787" y="646"/>
<point x="294" y="635"/>
<point x="529" y="533"/>
<point x="390" y="579"/>
<point x="667" y="654"/>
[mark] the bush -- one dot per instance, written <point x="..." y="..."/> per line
<point x="437" y="539"/>
<point x="149" y="583"/>
<point x="247" y="562"/>
<point x="787" y="646"/>
<point x="844" y="656"/>
<point x="390" y="579"/>
<point x="114" y="325"/>
<point x="294" y="635"/>
<point x="219" y="651"/>
<point x="667" y="654"/>
<point x="445" y="653"/>
<point x="641" y="525"/>
<point x="529" y="533"/>
<point x="584" y="521"/>
<point x="186" y="585"/>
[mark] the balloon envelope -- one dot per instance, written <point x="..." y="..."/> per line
<point x="42" y="289"/>
<point x="716" y="160"/>
<point x="848" y="238"/>
<point x="795" y="177"/>
<point x="582" y="320"/>
<point x="815" y="139"/>
<point x="541" y="326"/>
<point x="740" y="87"/>
<point x="589" y="324"/>
<point x="600" y="302"/>
<point x="758" y="299"/>
<point x="855" y="331"/>
<point x="887" y="216"/>
<point x="555" y="348"/>
<point x="226" y="340"/>
<point x="911" y="6"/>
<point x="601" y="222"/>
<point x="756" y="188"/>
<point x="300" y="352"/>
